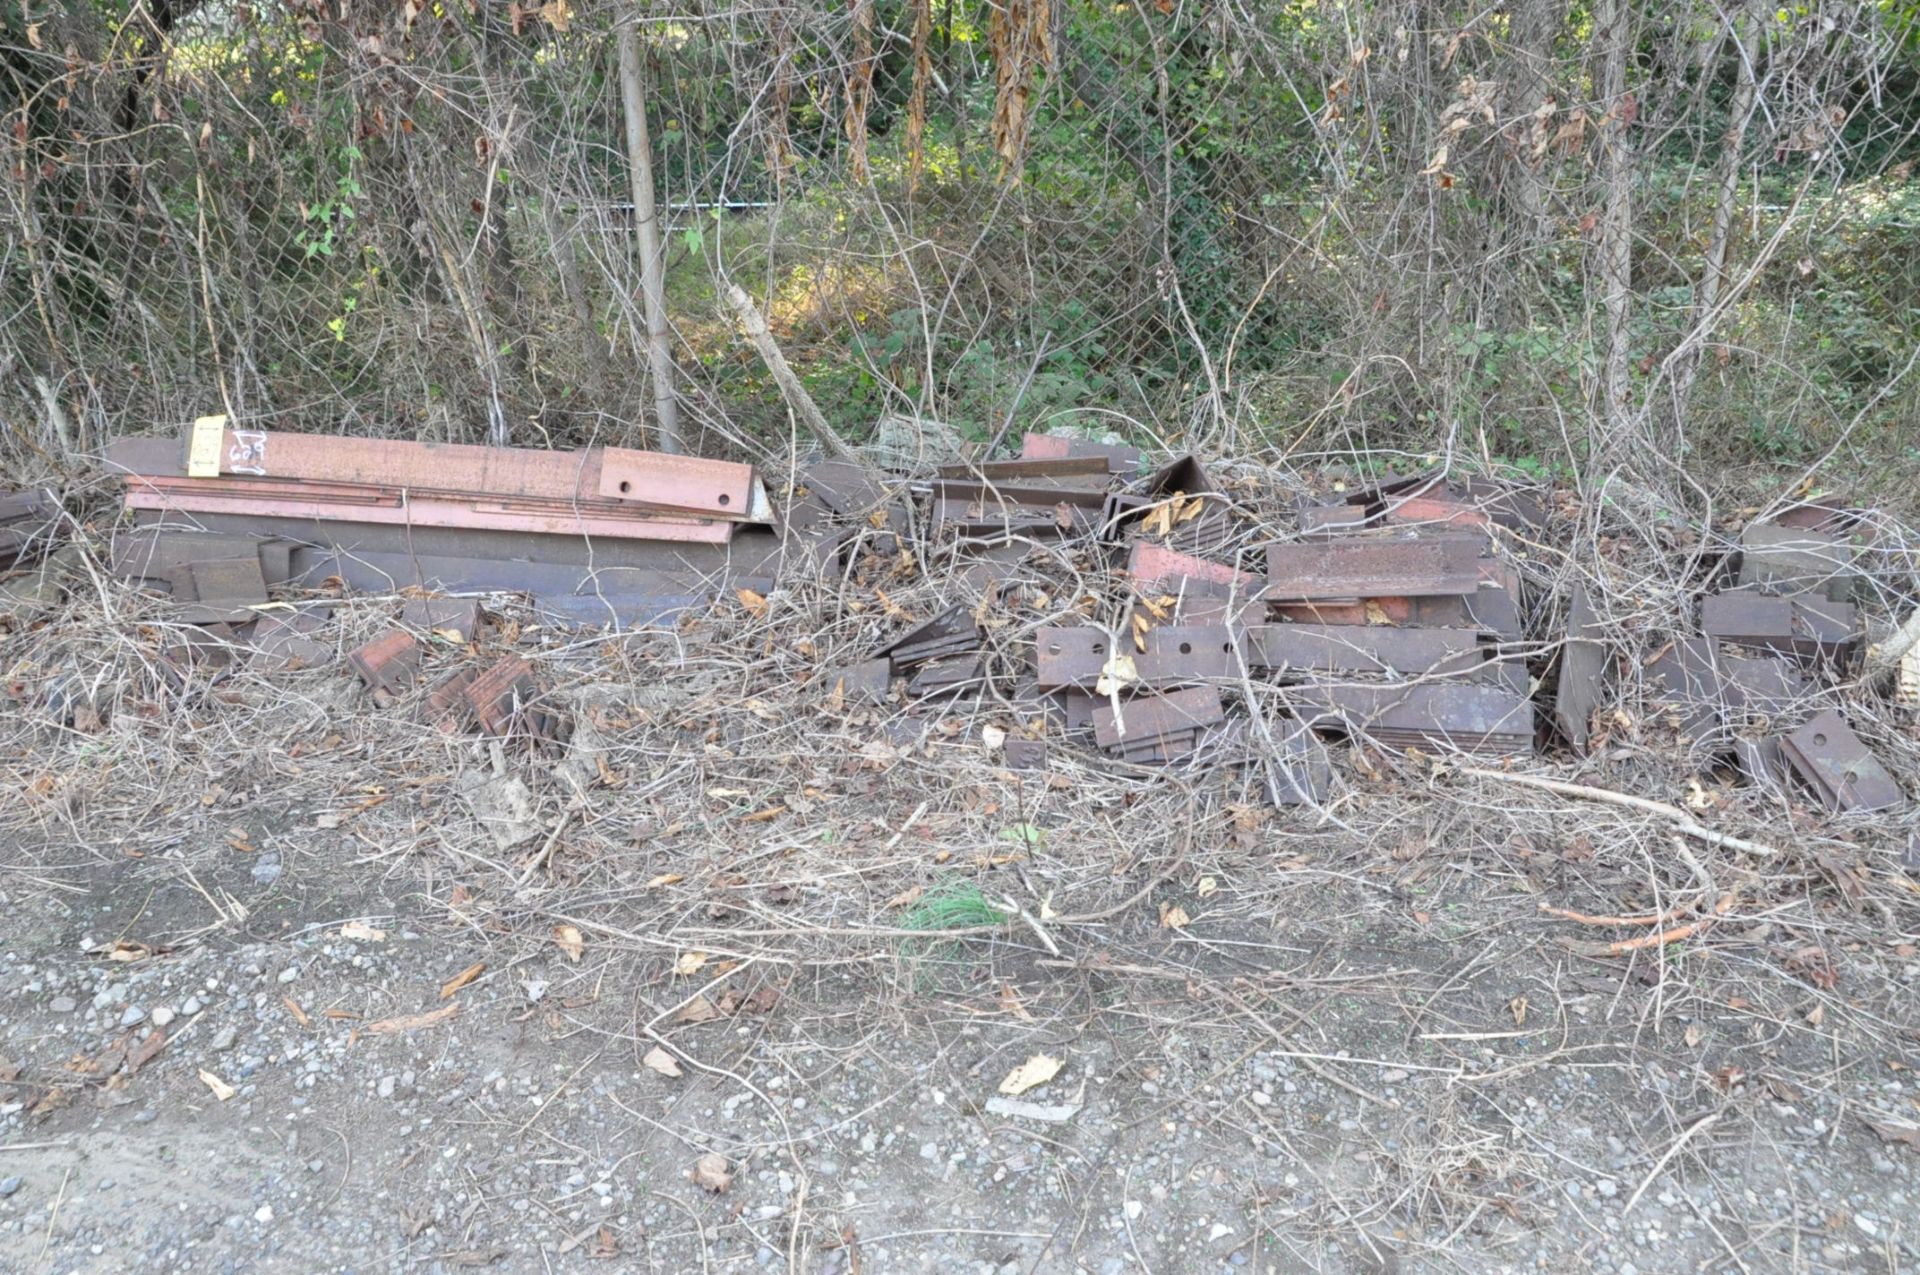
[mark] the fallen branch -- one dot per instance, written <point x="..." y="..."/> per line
<point x="1684" y="822"/>
<point x="1582" y="918"/>
<point x="1623" y="946"/>
<point x="796" y="394"/>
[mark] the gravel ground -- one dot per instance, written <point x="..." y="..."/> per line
<point x="1320" y="1096"/>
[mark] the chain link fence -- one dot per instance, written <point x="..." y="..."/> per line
<point x="1386" y="226"/>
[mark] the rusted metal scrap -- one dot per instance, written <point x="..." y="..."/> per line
<point x="1777" y="559"/>
<point x="1349" y="568"/>
<point x="1075" y="656"/>
<point x="1583" y="671"/>
<point x="1839" y="767"/>
<point x="1472" y="717"/>
<point x="28" y="519"/>
<point x="952" y="632"/>
<point x="1298" y="770"/>
<point x="1802" y="625"/>
<point x="389" y="662"/>
<point x="1120" y="460"/>
<point x="1157" y="726"/>
<point x="1367" y="648"/>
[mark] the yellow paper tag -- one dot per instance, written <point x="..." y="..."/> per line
<point x="203" y="448"/>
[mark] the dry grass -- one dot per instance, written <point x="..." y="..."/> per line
<point x="734" y="811"/>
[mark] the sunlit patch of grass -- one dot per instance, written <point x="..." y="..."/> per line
<point x="949" y="907"/>
<point x="953" y="905"/>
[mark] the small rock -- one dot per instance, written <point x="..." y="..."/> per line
<point x="162" y="1016"/>
<point x="290" y="973"/>
<point x="62" y="1005"/>
<point x="191" y="1006"/>
<point x="113" y="994"/>
<point x="1607" y="1188"/>
<point x="268" y="870"/>
<point x="10" y="1185"/>
<point x="385" y="1088"/>
<point x="224" y="1038"/>
<point x="263" y="1214"/>
<point x="131" y="1015"/>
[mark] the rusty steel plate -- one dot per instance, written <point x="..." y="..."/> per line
<point x="1796" y="560"/>
<point x="1144" y="718"/>
<point x="1345" y="568"/>
<point x="1070" y="656"/>
<point x="1298" y="769"/>
<point x="388" y="662"/>
<point x="1842" y="769"/>
<point x="719" y="489"/>
<point x="844" y="487"/>
<point x="1155" y="567"/>
<point x="1084" y="472"/>
<point x="1073" y="656"/>
<point x="1468" y="716"/>
<point x="955" y="624"/>
<point x="1366" y="648"/>
<point x="1802" y="625"/>
<point x="947" y="675"/>
<point x="1685" y="681"/>
<point x="1583" y="670"/>
<point x="1120" y="459"/>
<point x="864" y="683"/>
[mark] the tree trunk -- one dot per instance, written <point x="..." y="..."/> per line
<point x="666" y="406"/>
<point x="1612" y="34"/>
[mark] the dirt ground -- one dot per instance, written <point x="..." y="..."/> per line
<point x="273" y="996"/>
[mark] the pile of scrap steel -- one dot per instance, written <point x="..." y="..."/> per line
<point x="1751" y="683"/>
<point x="601" y="535"/>
<point x="1146" y="614"/>
<point x="1395" y="616"/>
<point x="1391" y="617"/>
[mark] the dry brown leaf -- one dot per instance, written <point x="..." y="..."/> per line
<point x="411" y="1022"/>
<point x="1694" y="1034"/>
<point x="907" y="898"/>
<point x="1173" y="916"/>
<point x="121" y="950"/>
<point x="1031" y="1074"/>
<point x="361" y="932"/>
<point x="711" y="1172"/>
<point x="1010" y="1002"/>
<point x="461" y="979"/>
<point x="572" y="944"/>
<point x="221" y="1089"/>
<point x="699" y="1010"/>
<point x="1897" y="1131"/>
<point x="755" y="603"/>
<point x="689" y="963"/>
<point x="658" y="1059"/>
<point x="299" y="1015"/>
<point x="1518" y="1008"/>
<point x="1207" y="887"/>
<point x="141" y="1055"/>
<point x="665" y="879"/>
